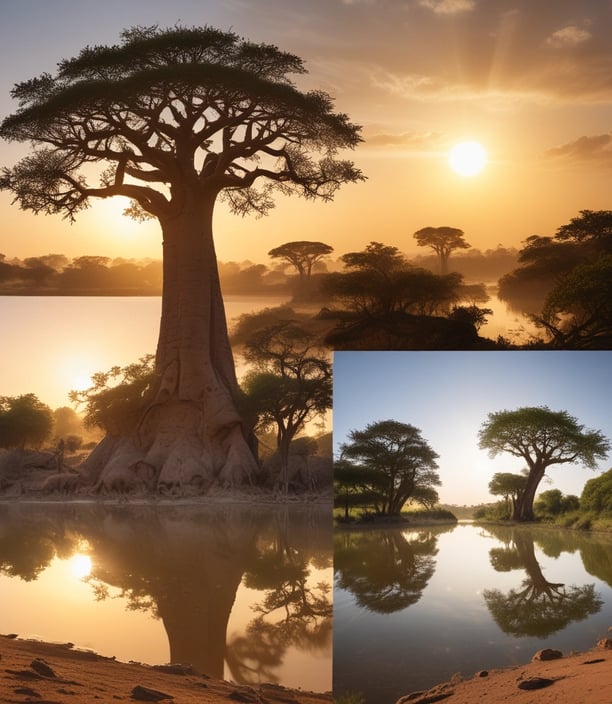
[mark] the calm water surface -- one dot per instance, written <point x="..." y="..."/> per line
<point x="239" y="593"/>
<point x="413" y="608"/>
<point x="52" y="344"/>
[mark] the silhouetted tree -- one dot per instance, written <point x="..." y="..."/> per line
<point x="542" y="438"/>
<point x="24" y="421"/>
<point x="396" y="462"/>
<point x="302" y="255"/>
<point x="577" y="313"/>
<point x="290" y="385"/>
<point x="592" y="226"/>
<point x="443" y="240"/>
<point x="181" y="117"/>
<point x="545" y="263"/>
<point x="117" y="398"/>
<point x="381" y="282"/>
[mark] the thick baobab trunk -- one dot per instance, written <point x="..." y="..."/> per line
<point x="191" y="436"/>
<point x="524" y="506"/>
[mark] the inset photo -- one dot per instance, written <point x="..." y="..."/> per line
<point x="473" y="492"/>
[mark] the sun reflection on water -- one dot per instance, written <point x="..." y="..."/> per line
<point x="80" y="566"/>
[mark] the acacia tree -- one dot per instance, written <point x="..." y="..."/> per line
<point x="395" y="461"/>
<point x="542" y="438"/>
<point x="443" y="241"/>
<point x="179" y="117"/>
<point x="509" y="485"/>
<point x="302" y="255"/>
<point x="290" y="385"/>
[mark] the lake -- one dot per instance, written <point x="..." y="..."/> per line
<point x="412" y="608"/>
<point x="240" y="593"/>
<point x="52" y="344"/>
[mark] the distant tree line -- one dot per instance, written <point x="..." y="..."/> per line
<point x="55" y="274"/>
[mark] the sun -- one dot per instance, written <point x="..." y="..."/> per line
<point x="467" y="158"/>
<point x="80" y="566"/>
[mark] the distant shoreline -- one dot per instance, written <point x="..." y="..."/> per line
<point x="51" y="293"/>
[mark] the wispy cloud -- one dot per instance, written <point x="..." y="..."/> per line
<point x="448" y="7"/>
<point x="408" y="141"/>
<point x="596" y="148"/>
<point x="568" y="36"/>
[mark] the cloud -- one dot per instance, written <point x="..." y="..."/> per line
<point x="409" y="141"/>
<point x="448" y="7"/>
<point x="594" y="148"/>
<point x="568" y="36"/>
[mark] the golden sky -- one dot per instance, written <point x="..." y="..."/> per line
<point x="529" y="80"/>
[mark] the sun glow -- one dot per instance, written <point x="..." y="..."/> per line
<point x="467" y="158"/>
<point x="80" y="566"/>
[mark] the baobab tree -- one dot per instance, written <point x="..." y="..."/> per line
<point x="179" y="118"/>
<point x="443" y="240"/>
<point x="542" y="438"/>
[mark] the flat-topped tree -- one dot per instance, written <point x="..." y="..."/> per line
<point x="443" y="241"/>
<point x="179" y="118"/>
<point x="542" y="438"/>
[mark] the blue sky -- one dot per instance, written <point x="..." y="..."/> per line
<point x="447" y="395"/>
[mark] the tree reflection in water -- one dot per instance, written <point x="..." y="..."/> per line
<point x="185" y="566"/>
<point x="385" y="570"/>
<point x="540" y="607"/>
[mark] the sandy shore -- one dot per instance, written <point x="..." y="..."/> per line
<point x="33" y="671"/>
<point x="573" y="679"/>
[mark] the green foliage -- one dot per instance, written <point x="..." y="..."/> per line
<point x="24" y="421"/>
<point x="542" y="438"/>
<point x="536" y="432"/>
<point x="118" y="397"/>
<point x="553" y="502"/>
<point x="425" y="514"/>
<point x="350" y="698"/>
<point x="596" y="495"/>
<point x="391" y="462"/>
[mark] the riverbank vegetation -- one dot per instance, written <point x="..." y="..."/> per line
<point x="592" y="510"/>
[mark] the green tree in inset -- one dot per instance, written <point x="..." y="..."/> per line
<point x="510" y="486"/>
<point x="395" y="462"/>
<point x="542" y="438"/>
<point x="597" y="494"/>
